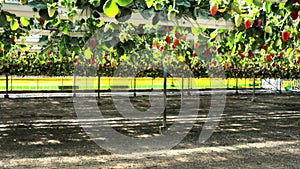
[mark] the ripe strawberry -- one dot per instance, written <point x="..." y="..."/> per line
<point x="259" y="23"/>
<point x="298" y="61"/>
<point x="93" y="43"/>
<point x="161" y="48"/>
<point x="206" y="52"/>
<point x="176" y="42"/>
<point x="214" y="9"/>
<point x="250" y="54"/>
<point x="197" y="45"/>
<point x="194" y="54"/>
<point x="241" y="54"/>
<point x="265" y="47"/>
<point x="49" y="63"/>
<point x="19" y="53"/>
<point x="76" y="59"/>
<point x="49" y="53"/>
<point x="12" y="39"/>
<point x="298" y="1"/>
<point x="272" y="55"/>
<point x="281" y="54"/>
<point x="294" y="14"/>
<point x="248" y="24"/>
<point x="268" y="58"/>
<point x="168" y="39"/>
<point x="1" y="51"/>
<point x="285" y="35"/>
<point x="177" y="35"/>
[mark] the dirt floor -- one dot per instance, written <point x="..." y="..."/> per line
<point x="45" y="133"/>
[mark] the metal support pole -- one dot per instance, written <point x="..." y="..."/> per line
<point x="165" y="97"/>
<point x="253" y="93"/>
<point x="236" y="86"/>
<point x="74" y="86"/>
<point x="98" y="87"/>
<point x="6" y="94"/>
<point x="280" y="85"/>
<point x="182" y="87"/>
<point x="134" y="86"/>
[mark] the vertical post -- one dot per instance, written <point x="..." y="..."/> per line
<point x="280" y="85"/>
<point x="236" y="86"/>
<point x="6" y="94"/>
<point x="165" y="97"/>
<point x="253" y="93"/>
<point x="11" y="85"/>
<point x="182" y="87"/>
<point x="134" y="86"/>
<point x="152" y="83"/>
<point x="74" y="85"/>
<point x="98" y="87"/>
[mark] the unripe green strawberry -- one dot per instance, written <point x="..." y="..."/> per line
<point x="238" y="20"/>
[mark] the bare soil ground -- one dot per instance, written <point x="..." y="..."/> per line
<point x="45" y="133"/>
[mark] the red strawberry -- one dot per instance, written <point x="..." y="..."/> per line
<point x="298" y="61"/>
<point x="214" y="9"/>
<point x="49" y="53"/>
<point x="176" y="42"/>
<point x="48" y="63"/>
<point x="161" y="48"/>
<point x="93" y="43"/>
<point x="197" y="45"/>
<point x="168" y="39"/>
<point x="294" y="14"/>
<point x="194" y="54"/>
<point x="265" y="47"/>
<point x="281" y="54"/>
<point x="250" y="54"/>
<point x="177" y="35"/>
<point x="207" y="52"/>
<point x="298" y="1"/>
<point x="241" y="54"/>
<point x="285" y="35"/>
<point x="272" y="55"/>
<point x="1" y="50"/>
<point x="268" y="58"/>
<point x="12" y="39"/>
<point x="259" y="23"/>
<point x="248" y="24"/>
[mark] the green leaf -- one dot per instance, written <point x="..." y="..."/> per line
<point x="239" y="37"/>
<point x="110" y="8"/>
<point x="14" y="24"/>
<point x="123" y="3"/>
<point x="124" y="15"/>
<point x="149" y="3"/>
<point x="44" y="14"/>
<point x="24" y="21"/>
<point x="147" y="13"/>
<point x="213" y="35"/>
